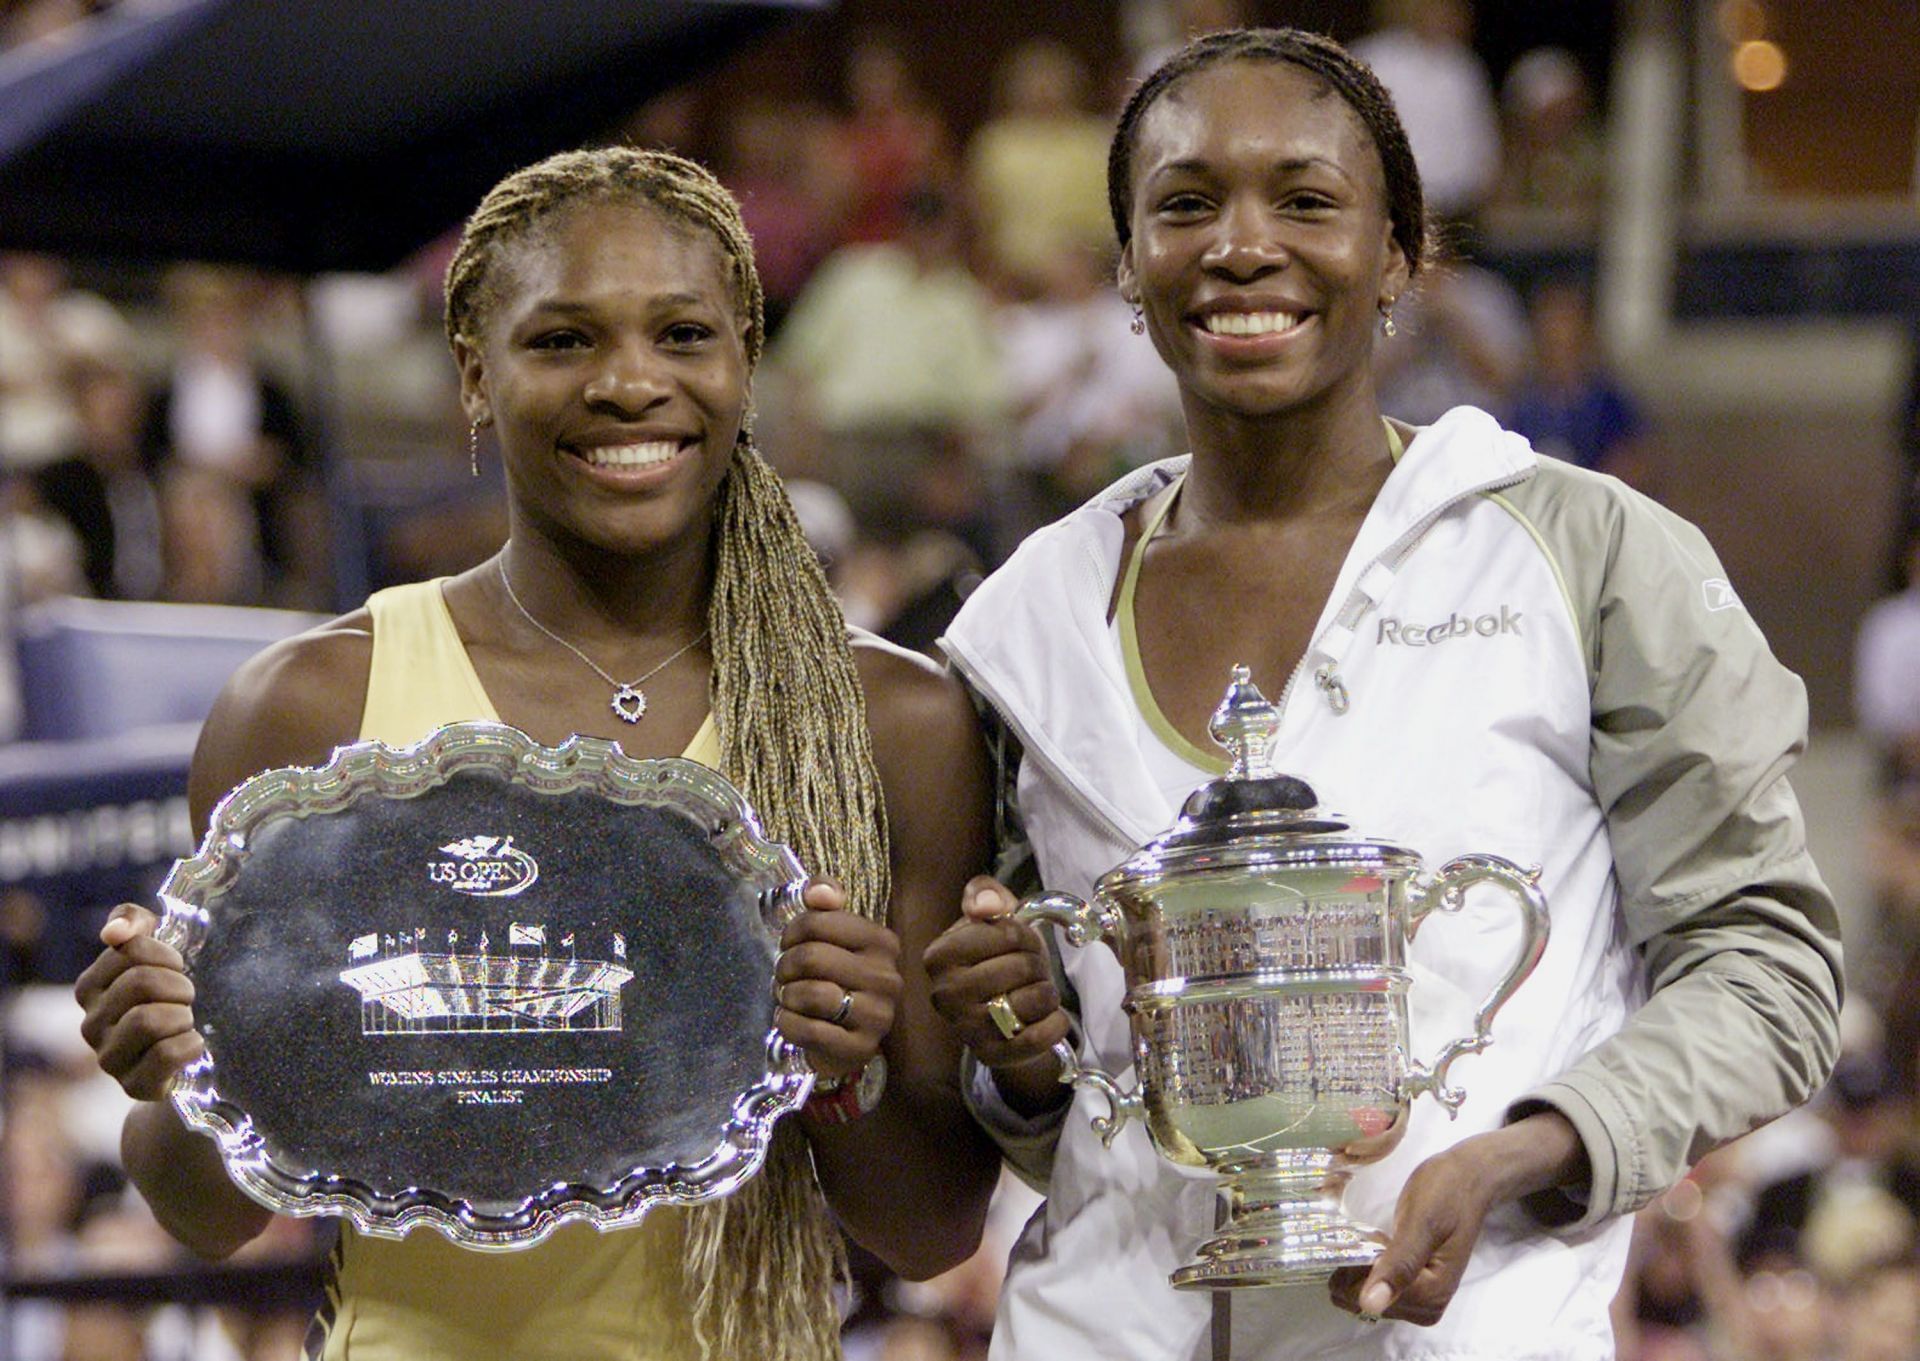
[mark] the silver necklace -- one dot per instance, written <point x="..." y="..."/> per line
<point x="629" y="700"/>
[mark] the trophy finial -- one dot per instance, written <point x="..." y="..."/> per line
<point x="1245" y="724"/>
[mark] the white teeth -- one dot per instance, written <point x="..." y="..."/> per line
<point x="632" y="455"/>
<point x="1248" y="323"/>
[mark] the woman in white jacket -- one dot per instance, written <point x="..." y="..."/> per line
<point x="1474" y="650"/>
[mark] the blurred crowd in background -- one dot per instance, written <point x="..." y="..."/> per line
<point x="949" y="364"/>
<point x="949" y="367"/>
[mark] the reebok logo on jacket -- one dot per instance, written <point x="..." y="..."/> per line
<point x="1454" y="626"/>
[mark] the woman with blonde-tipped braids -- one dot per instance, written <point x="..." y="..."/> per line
<point x="606" y="318"/>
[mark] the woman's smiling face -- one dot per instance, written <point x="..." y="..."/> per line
<point x="1262" y="246"/>
<point x="613" y="367"/>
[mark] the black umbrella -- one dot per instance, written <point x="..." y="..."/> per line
<point x="313" y="135"/>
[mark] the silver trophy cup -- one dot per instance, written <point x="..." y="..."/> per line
<point x="1265" y="949"/>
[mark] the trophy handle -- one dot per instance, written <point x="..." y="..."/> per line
<point x="1446" y="892"/>
<point x="1121" y="1106"/>
<point x="1084" y="923"/>
<point x="781" y="904"/>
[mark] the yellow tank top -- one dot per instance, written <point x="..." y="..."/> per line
<point x="579" y="1295"/>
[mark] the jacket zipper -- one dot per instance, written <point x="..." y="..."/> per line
<point x="1031" y="752"/>
<point x="1326" y="676"/>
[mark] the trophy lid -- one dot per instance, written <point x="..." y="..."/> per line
<point x="1246" y="726"/>
<point x="1254" y="807"/>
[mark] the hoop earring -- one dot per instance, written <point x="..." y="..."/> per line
<point x="1139" y="323"/>
<point x="1387" y="328"/>
<point x="473" y="449"/>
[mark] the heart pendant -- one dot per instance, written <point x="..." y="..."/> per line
<point x="629" y="704"/>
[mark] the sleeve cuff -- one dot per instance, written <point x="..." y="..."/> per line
<point x="1570" y="1211"/>
<point x="1026" y="1142"/>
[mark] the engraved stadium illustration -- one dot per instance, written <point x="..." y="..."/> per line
<point x="410" y="986"/>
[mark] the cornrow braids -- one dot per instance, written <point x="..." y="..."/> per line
<point x="1350" y="78"/>
<point x="792" y="720"/>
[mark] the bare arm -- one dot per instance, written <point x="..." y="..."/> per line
<point x="291" y="705"/>
<point x="911" y="1179"/>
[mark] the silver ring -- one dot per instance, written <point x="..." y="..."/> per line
<point x="846" y="1009"/>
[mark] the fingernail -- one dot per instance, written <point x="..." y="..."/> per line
<point x="1375" y="1299"/>
<point x="997" y="900"/>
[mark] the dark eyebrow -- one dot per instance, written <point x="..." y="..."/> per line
<point x="1313" y="162"/>
<point x="680" y="300"/>
<point x="1291" y="165"/>
<point x="568" y="306"/>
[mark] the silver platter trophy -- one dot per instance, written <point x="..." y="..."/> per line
<point x="486" y="986"/>
<point x="1265" y="950"/>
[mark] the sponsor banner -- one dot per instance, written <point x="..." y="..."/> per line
<point x="80" y="832"/>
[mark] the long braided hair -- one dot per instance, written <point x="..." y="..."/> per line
<point x="1349" y="77"/>
<point x="792" y="722"/>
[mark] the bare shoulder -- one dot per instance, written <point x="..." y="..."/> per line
<point x="933" y="764"/>
<point x="290" y="704"/>
<point x="915" y="706"/>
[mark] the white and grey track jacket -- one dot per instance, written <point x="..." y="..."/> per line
<point x="1520" y="658"/>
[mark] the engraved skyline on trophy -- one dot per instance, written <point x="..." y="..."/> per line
<point x="409" y="988"/>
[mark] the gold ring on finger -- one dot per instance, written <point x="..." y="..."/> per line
<point x="1005" y="1019"/>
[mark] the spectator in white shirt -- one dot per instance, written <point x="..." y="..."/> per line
<point x="1886" y="666"/>
<point x="1422" y="53"/>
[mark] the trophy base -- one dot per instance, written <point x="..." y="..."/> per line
<point x="1284" y="1227"/>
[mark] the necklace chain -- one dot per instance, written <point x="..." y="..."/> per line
<point x="629" y="702"/>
